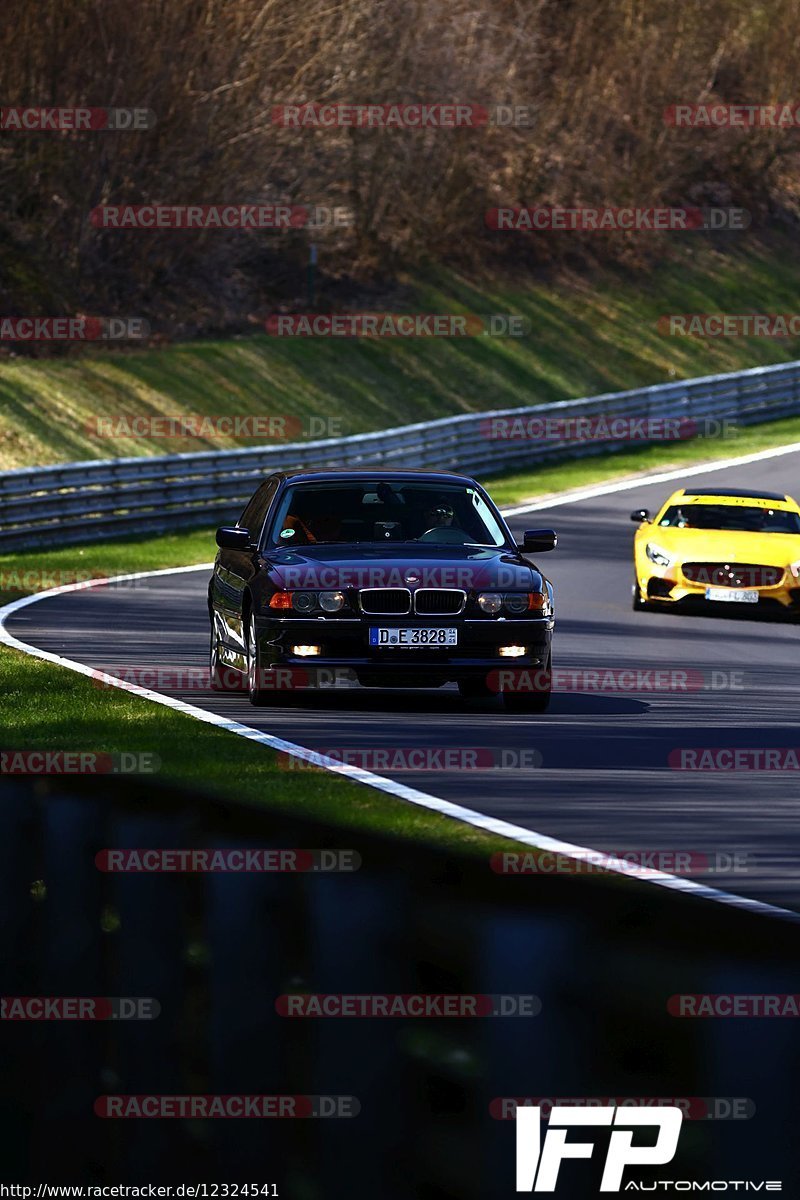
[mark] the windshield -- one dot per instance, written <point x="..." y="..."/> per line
<point x="744" y="518"/>
<point x="379" y="511"/>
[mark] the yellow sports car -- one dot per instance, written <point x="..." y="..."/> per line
<point x="715" y="547"/>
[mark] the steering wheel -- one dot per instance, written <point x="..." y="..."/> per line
<point x="443" y="533"/>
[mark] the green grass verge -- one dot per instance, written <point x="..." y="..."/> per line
<point x="588" y="334"/>
<point x="36" y="570"/>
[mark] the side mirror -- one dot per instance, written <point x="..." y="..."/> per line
<point x="534" y="541"/>
<point x="640" y="514"/>
<point x="234" y="539"/>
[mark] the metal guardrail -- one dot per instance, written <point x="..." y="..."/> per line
<point x="86" y="501"/>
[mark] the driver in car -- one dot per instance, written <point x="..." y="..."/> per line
<point x="439" y="515"/>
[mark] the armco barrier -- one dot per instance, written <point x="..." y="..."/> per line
<point x="91" y="500"/>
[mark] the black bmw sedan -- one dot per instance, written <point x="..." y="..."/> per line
<point x="399" y="578"/>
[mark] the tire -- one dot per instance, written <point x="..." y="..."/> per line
<point x="531" y="702"/>
<point x="259" y="697"/>
<point x="476" y="689"/>
<point x="638" y="605"/>
<point x="220" y="677"/>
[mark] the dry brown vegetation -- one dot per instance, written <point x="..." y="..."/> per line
<point x="597" y="75"/>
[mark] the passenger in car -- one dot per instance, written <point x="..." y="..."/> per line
<point x="312" y="525"/>
<point x="313" y="528"/>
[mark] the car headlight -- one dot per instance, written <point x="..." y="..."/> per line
<point x="331" y="601"/>
<point x="516" y="602"/>
<point x="657" y="555"/>
<point x="522" y="602"/>
<point x="304" y="602"/>
<point x="490" y="602"/>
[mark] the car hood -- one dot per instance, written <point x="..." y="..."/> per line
<point x="412" y="566"/>
<point x="712" y="545"/>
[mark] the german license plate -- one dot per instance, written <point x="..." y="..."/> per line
<point x="735" y="595"/>
<point x="411" y="636"/>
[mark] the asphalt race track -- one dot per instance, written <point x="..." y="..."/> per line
<point x="605" y="779"/>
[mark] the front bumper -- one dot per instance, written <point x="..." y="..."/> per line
<point x="344" y="644"/>
<point x="668" y="585"/>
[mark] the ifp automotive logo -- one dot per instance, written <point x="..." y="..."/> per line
<point x="538" y="1164"/>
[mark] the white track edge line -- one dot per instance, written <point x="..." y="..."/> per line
<point x="493" y="825"/>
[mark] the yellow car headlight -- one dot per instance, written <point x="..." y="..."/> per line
<point x="657" y="555"/>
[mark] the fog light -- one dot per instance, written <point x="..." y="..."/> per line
<point x="512" y="651"/>
<point x="305" y="651"/>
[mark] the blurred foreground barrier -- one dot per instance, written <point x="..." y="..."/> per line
<point x="217" y="951"/>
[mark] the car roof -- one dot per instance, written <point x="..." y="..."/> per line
<point x="734" y="498"/>
<point x="359" y="474"/>
<point x="743" y="492"/>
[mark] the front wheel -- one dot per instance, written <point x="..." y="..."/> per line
<point x="537" y="701"/>
<point x="220" y="677"/>
<point x="638" y="605"/>
<point x="258" y="695"/>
